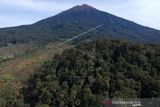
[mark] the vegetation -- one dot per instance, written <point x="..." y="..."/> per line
<point x="14" y="71"/>
<point x="75" y="21"/>
<point x="82" y="76"/>
<point x="7" y="91"/>
<point x="16" y="50"/>
<point x="118" y="70"/>
<point x="4" y="58"/>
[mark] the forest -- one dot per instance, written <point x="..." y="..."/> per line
<point x="109" y="69"/>
<point x="118" y="59"/>
<point x="74" y="21"/>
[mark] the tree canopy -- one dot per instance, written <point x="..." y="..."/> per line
<point x="118" y="70"/>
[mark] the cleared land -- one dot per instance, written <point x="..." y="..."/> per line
<point x="25" y="58"/>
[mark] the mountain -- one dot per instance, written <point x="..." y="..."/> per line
<point x="75" y="21"/>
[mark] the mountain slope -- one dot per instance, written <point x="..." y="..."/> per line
<point x="119" y="70"/>
<point x="77" y="20"/>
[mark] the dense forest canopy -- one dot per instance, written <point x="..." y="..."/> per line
<point x="118" y="70"/>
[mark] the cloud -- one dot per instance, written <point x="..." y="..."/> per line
<point x="34" y="5"/>
<point x="144" y="12"/>
<point x="22" y="12"/>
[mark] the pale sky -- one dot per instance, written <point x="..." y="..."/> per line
<point x="20" y="12"/>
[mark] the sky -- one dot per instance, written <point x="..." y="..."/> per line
<point x="21" y="12"/>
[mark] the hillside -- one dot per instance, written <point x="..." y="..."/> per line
<point x="15" y="70"/>
<point x="89" y="71"/>
<point x="118" y="69"/>
<point x="75" y="21"/>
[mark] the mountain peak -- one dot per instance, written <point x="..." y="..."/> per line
<point x="85" y="6"/>
<point x="82" y="7"/>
